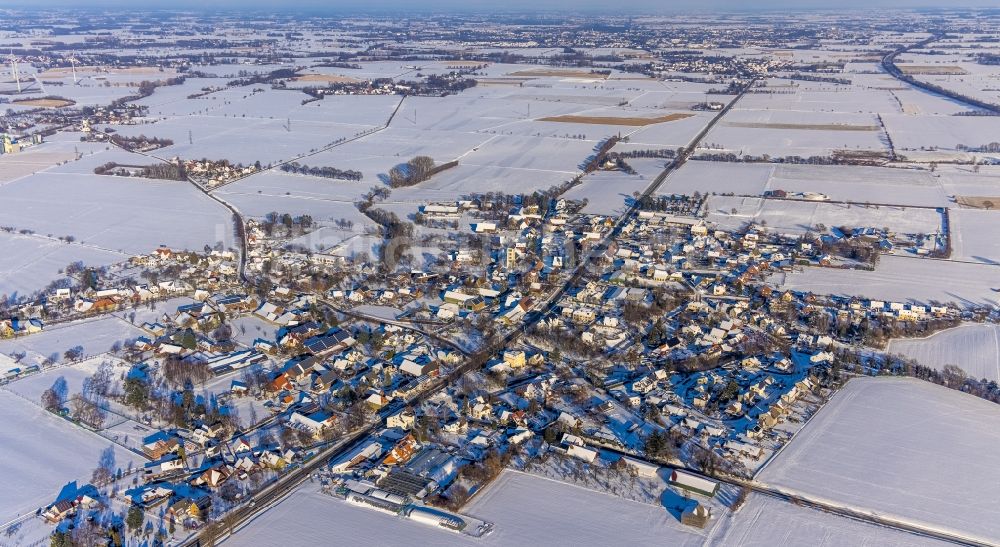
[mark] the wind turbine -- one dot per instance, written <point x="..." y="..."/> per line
<point x="39" y="82"/>
<point x="13" y="69"/>
<point x="72" y="63"/>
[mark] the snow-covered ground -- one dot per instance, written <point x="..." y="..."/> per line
<point x="791" y="133"/>
<point x="40" y="453"/>
<point x="525" y="509"/>
<point x="766" y="521"/>
<point x="974" y="348"/>
<point x="897" y="186"/>
<point x="798" y="217"/>
<point x="904" y="279"/>
<point x="30" y="262"/>
<point x="118" y="214"/>
<point x="904" y="449"/>
<point x="93" y="335"/>
<point x="309" y="517"/>
<point x="974" y="235"/>
<point x="607" y="193"/>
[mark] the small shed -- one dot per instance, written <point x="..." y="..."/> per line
<point x="696" y="515"/>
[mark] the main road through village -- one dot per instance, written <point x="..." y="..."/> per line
<point x="271" y="494"/>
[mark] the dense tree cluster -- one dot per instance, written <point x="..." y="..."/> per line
<point x="416" y="171"/>
<point x="140" y="142"/>
<point x="291" y="225"/>
<point x="164" y="171"/>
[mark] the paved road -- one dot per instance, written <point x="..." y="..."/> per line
<point x="396" y="322"/>
<point x="889" y="64"/>
<point x="260" y="501"/>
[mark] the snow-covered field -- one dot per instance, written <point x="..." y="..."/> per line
<point x="115" y="213"/>
<point x="911" y="187"/>
<point x="798" y="217"/>
<point x="781" y="133"/>
<point x="308" y="517"/>
<point x="30" y="262"/>
<point x="607" y="193"/>
<point x="530" y="510"/>
<point x="912" y="133"/>
<point x="525" y="509"/>
<point x="32" y="160"/>
<point x="94" y="335"/>
<point x="904" y="449"/>
<point x="40" y="453"/>
<point x="765" y="521"/>
<point x="972" y="347"/>
<point x="904" y="279"/>
<point x="974" y="235"/>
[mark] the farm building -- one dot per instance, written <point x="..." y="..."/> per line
<point x="694" y="483"/>
<point x="642" y="468"/>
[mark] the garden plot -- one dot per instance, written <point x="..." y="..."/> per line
<point x="904" y="449"/>
<point x="904" y="279"/>
<point x="40" y="453"/>
<point x="248" y="410"/>
<point x="797" y="217"/>
<point x="117" y="214"/>
<point x="787" y="133"/>
<point x="768" y="521"/>
<point x="69" y="380"/>
<point x="30" y="263"/>
<point x="93" y="335"/>
<point x="248" y="328"/>
<point x="973" y="348"/>
<point x="974" y="235"/>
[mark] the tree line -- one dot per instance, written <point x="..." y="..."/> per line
<point x="325" y="172"/>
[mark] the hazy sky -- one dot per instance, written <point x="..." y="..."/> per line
<point x="617" y="6"/>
